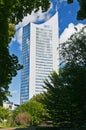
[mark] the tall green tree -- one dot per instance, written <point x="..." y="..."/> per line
<point x="11" y="12"/>
<point x="74" y="49"/>
<point x="74" y="79"/>
<point x="57" y="100"/>
<point x="73" y="53"/>
<point x="65" y="96"/>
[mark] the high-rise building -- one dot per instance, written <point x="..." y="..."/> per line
<point x="39" y="56"/>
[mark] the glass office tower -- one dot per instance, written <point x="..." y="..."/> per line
<point x="39" y="56"/>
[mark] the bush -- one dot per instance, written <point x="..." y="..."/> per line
<point x="23" y="119"/>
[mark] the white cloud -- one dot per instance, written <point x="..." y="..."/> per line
<point x="34" y="17"/>
<point x="18" y="35"/>
<point x="71" y="29"/>
<point x="28" y="19"/>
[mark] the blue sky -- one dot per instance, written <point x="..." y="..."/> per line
<point x="66" y="14"/>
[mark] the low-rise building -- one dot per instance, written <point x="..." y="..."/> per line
<point x="10" y="105"/>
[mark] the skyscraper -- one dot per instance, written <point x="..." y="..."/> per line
<point x="39" y="56"/>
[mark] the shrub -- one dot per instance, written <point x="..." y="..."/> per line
<point x="23" y="119"/>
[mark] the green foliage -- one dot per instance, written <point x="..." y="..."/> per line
<point x="15" y="10"/>
<point x="74" y="49"/>
<point x="34" y="109"/>
<point x="57" y="100"/>
<point x="12" y="12"/>
<point x="38" y="97"/>
<point x="65" y="96"/>
<point x="5" y="116"/>
<point x="8" y="69"/>
<point x="45" y="115"/>
<point x="23" y="118"/>
<point x="11" y="31"/>
<point x="74" y="76"/>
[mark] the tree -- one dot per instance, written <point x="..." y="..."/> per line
<point x="34" y="109"/>
<point x="8" y="67"/>
<point x="81" y="14"/>
<point x="5" y="116"/>
<point x="14" y="11"/>
<point x="73" y="53"/>
<point x="23" y="118"/>
<point x="74" y="78"/>
<point x="11" y="12"/>
<point x="57" y="100"/>
<point x="65" y="96"/>
<point x="40" y="99"/>
<point x="74" y="49"/>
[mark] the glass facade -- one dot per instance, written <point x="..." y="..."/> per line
<point x="39" y="56"/>
<point x="24" y="91"/>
